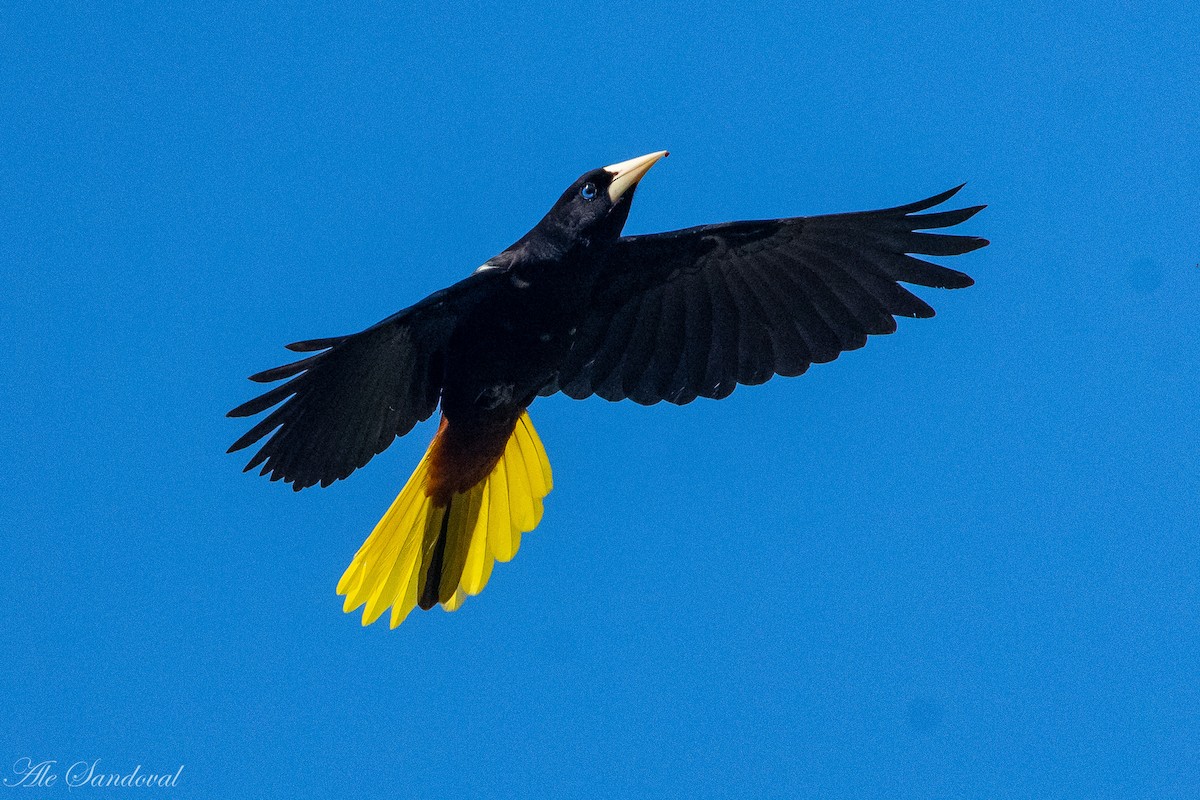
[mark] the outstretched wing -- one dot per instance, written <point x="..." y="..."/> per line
<point x="693" y="313"/>
<point x="343" y="405"/>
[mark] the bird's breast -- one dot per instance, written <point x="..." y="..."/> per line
<point x="507" y="348"/>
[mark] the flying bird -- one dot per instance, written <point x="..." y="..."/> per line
<point x="574" y="307"/>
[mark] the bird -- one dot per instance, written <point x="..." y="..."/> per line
<point x="574" y="306"/>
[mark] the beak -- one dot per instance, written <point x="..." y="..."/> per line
<point x="628" y="173"/>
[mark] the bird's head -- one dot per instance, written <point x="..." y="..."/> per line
<point x="595" y="207"/>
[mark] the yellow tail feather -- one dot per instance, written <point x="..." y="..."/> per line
<point x="484" y="526"/>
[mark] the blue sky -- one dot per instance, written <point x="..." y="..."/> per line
<point x="961" y="562"/>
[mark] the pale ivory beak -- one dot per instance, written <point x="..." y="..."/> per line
<point x="628" y="173"/>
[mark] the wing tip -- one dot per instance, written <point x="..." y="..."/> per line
<point x="312" y="345"/>
<point x="266" y="376"/>
<point x="934" y="200"/>
<point x="955" y="280"/>
<point x="243" y="410"/>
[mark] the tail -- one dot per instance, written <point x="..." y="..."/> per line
<point x="424" y="553"/>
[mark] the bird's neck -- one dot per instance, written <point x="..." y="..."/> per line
<point x="549" y="242"/>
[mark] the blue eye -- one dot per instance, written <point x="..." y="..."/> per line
<point x="588" y="192"/>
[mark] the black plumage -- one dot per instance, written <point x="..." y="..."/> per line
<point x="695" y="312"/>
<point x="575" y="307"/>
<point x="670" y="316"/>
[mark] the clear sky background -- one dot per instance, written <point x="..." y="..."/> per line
<point x="963" y="561"/>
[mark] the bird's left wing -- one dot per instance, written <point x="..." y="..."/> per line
<point x="346" y="403"/>
<point x="693" y="313"/>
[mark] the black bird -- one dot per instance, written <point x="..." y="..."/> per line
<point x="574" y="307"/>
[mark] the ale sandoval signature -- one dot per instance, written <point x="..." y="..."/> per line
<point x="80" y="774"/>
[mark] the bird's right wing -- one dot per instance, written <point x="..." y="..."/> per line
<point x="346" y="403"/>
<point x="693" y="313"/>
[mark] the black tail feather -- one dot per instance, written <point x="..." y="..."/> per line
<point x="433" y="577"/>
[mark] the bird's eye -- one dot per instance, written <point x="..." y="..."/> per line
<point x="588" y="192"/>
